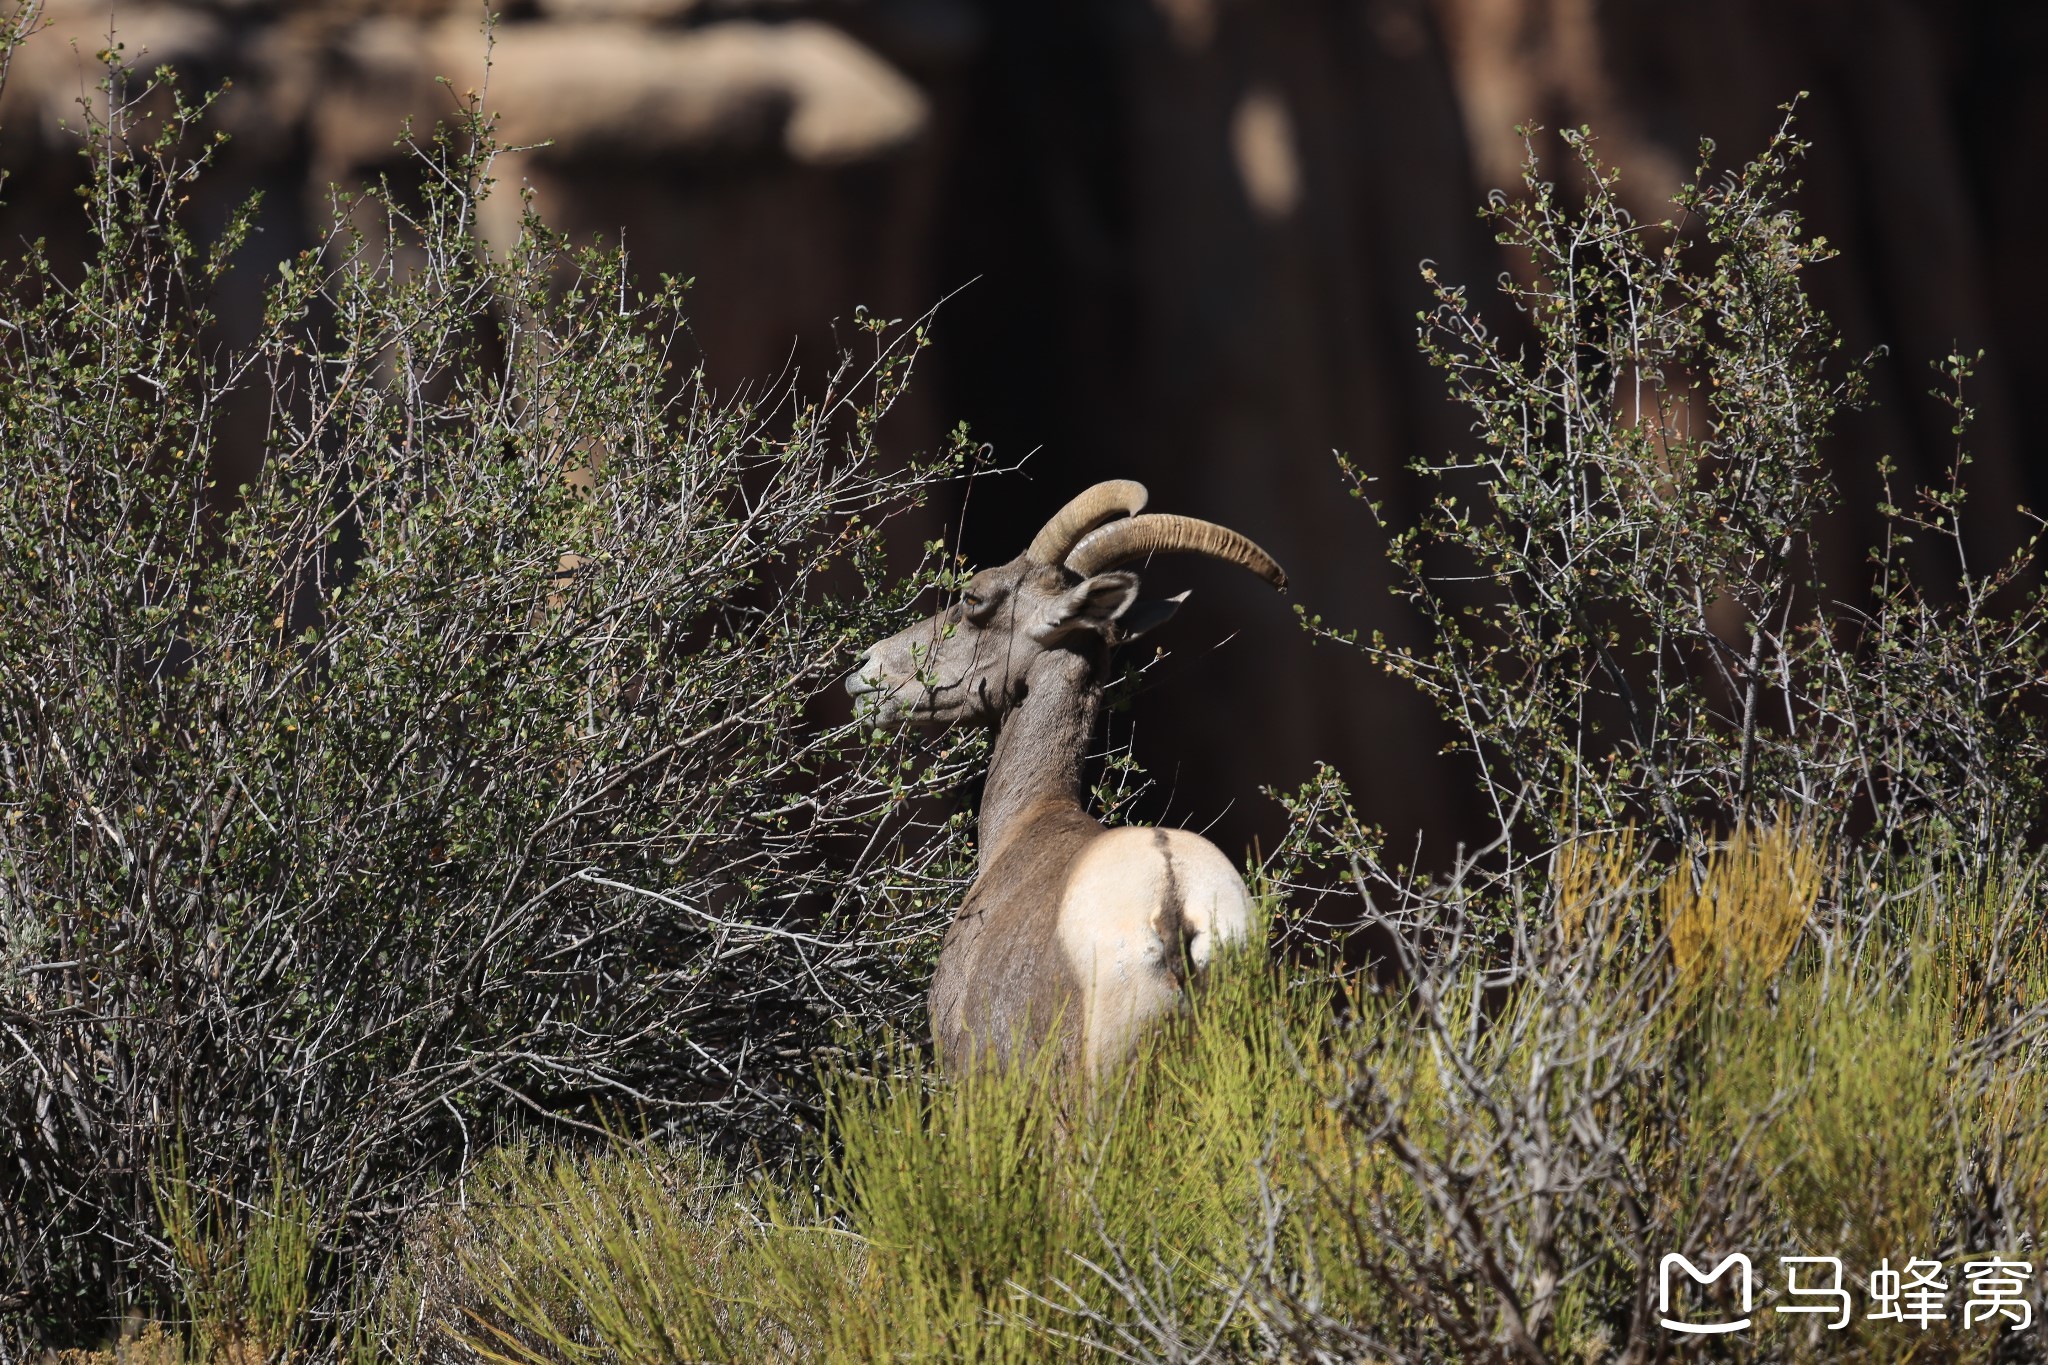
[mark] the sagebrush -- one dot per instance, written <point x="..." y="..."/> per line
<point x="453" y="766"/>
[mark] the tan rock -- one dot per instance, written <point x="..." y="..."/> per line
<point x="652" y="11"/>
<point x="620" y="90"/>
<point x="644" y="11"/>
<point x="59" y="67"/>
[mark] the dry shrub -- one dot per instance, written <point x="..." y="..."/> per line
<point x="458" y="771"/>
<point x="142" y="1342"/>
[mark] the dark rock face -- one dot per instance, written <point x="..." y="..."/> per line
<point x="1193" y="228"/>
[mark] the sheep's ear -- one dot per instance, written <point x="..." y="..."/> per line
<point x="1148" y="616"/>
<point x="1092" y="604"/>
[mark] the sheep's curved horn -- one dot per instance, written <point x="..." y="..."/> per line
<point x="1109" y="499"/>
<point x="1163" y="532"/>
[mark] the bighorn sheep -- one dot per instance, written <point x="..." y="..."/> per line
<point x="1066" y="920"/>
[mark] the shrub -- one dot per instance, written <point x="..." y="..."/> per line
<point x="1747" y="965"/>
<point x="1820" y="1093"/>
<point x="458" y="769"/>
<point x="1628" y="623"/>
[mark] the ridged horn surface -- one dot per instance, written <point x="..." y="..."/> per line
<point x="1165" y="533"/>
<point x="1106" y="500"/>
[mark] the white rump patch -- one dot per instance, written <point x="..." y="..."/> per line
<point x="1134" y="897"/>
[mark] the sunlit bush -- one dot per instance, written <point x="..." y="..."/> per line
<point x="1622" y="571"/>
<point x="457" y="769"/>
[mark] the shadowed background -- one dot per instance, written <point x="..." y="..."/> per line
<point x="1192" y="230"/>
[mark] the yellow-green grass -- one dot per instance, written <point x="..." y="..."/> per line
<point x="1304" y="1160"/>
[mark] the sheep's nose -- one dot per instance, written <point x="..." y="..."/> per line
<point x="860" y="680"/>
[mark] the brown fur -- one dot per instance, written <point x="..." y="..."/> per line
<point x="1026" y="648"/>
<point x="1002" y="979"/>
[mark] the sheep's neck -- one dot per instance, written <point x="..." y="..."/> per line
<point x="1042" y="746"/>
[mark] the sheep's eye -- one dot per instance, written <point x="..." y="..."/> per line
<point x="973" y="601"/>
